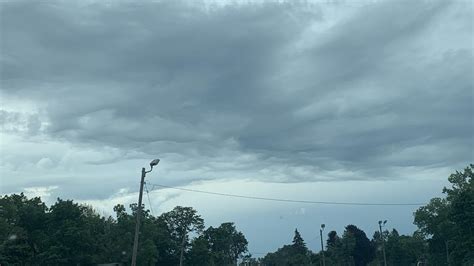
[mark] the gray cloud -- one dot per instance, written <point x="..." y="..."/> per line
<point x="255" y="85"/>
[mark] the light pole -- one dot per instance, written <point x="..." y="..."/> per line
<point x="139" y="211"/>
<point x="322" y="245"/>
<point x="383" y="242"/>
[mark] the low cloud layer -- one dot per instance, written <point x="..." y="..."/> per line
<point x="297" y="100"/>
<point x="274" y="92"/>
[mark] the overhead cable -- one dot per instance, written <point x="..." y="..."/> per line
<point x="287" y="200"/>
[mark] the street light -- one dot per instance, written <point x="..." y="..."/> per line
<point x="154" y="163"/>
<point x="139" y="211"/>
<point x="382" y="238"/>
<point x="322" y="245"/>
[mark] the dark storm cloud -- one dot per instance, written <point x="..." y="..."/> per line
<point x="362" y="96"/>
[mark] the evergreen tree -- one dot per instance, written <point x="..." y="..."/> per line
<point x="296" y="254"/>
<point x="298" y="243"/>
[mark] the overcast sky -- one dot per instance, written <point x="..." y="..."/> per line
<point x="355" y="101"/>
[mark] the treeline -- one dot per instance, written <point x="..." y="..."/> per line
<point x="352" y="248"/>
<point x="445" y="236"/>
<point x="68" y="233"/>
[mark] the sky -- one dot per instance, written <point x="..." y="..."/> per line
<point x="345" y="101"/>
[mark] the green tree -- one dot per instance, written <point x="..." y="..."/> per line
<point x="69" y="233"/>
<point x="168" y="247"/>
<point x="181" y="221"/>
<point x="22" y="229"/>
<point x="296" y="254"/>
<point x="226" y="244"/>
<point x="400" y="249"/>
<point x="447" y="223"/>
<point x="200" y="253"/>
<point x="156" y="245"/>
<point x="248" y="260"/>
<point x="75" y="232"/>
<point x="362" y="251"/>
<point x="338" y="250"/>
<point x="298" y="243"/>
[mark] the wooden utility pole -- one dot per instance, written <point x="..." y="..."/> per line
<point x="139" y="211"/>
<point x="137" y="225"/>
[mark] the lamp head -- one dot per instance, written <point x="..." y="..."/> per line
<point x="154" y="162"/>
<point x="384" y="222"/>
<point x="380" y="222"/>
<point x="322" y="226"/>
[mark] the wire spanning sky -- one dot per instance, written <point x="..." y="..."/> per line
<point x="288" y="200"/>
<point x="335" y="101"/>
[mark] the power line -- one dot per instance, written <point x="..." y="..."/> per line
<point x="288" y="200"/>
<point x="149" y="201"/>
